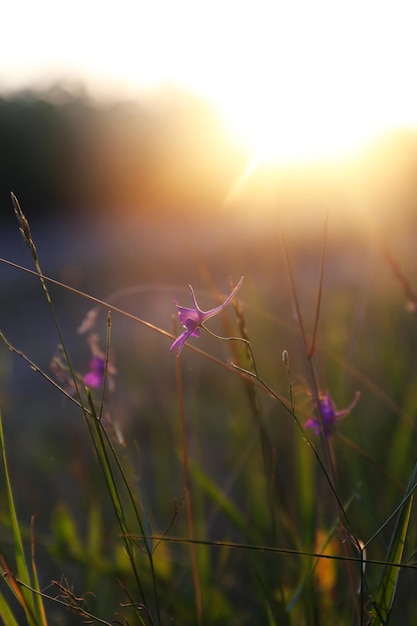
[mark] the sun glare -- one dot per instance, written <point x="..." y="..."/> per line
<point x="278" y="136"/>
<point x="294" y="81"/>
<point x="313" y="81"/>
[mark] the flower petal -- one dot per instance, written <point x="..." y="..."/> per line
<point x="193" y="318"/>
<point x="329" y="416"/>
<point x="179" y="342"/>
<point x="93" y="380"/>
<point x="349" y="409"/>
<point x="189" y="318"/>
<point x="207" y="314"/>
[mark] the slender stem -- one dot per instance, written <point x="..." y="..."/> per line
<point x="188" y="495"/>
<point x="99" y="436"/>
<point x="86" y="296"/>
<point x="320" y="290"/>
<point x="94" y="429"/>
<point x="326" y="444"/>
<point x="261" y="383"/>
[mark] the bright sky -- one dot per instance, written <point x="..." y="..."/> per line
<point x="296" y="79"/>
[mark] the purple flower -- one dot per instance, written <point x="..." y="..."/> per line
<point x="192" y="319"/>
<point x="328" y="414"/>
<point x="97" y="373"/>
<point x="95" y="377"/>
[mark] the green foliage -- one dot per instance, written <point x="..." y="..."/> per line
<point x="25" y="586"/>
<point x="211" y="503"/>
<point x="387" y="586"/>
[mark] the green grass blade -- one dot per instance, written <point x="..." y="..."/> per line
<point x="385" y="593"/>
<point x="6" y="613"/>
<point x="217" y="495"/>
<point x="311" y="562"/>
<point x="40" y="609"/>
<point x="99" y="442"/>
<point x="21" y="564"/>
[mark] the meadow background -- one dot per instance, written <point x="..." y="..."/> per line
<point x="131" y="203"/>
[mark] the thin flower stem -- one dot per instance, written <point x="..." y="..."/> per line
<point x="133" y="318"/>
<point x="69" y="605"/>
<point x="271" y="392"/>
<point x="393" y="514"/>
<point x="285" y="551"/>
<point x="38" y="370"/>
<point x="148" y="548"/>
<point x="286" y="361"/>
<point x="86" y="296"/>
<point x="95" y="425"/>
<point x="122" y="473"/>
<point x="303" y="433"/>
<point x="241" y="339"/>
<point x="320" y="290"/>
<point x="106" y="365"/>
<point x="347" y="537"/>
<point x="188" y="494"/>
<point x="400" y="276"/>
<point x="27" y="236"/>
<point x="307" y="350"/>
<point x="99" y="437"/>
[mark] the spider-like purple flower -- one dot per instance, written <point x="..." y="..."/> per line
<point x="329" y="414"/>
<point x="193" y="318"/>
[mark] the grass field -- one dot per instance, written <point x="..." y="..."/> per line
<point x="189" y="490"/>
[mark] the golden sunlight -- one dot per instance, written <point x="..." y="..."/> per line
<point x="294" y="81"/>
<point x="278" y="136"/>
<point x="316" y="81"/>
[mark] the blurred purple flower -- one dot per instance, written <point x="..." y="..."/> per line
<point x="330" y="416"/>
<point x="193" y="318"/>
<point x="95" y="377"/>
<point x="97" y="373"/>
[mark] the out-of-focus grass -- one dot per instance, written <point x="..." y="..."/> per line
<point x="364" y="342"/>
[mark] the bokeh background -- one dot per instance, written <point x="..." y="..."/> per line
<point x="153" y="147"/>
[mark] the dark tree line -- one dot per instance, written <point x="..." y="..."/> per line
<point x="62" y="153"/>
